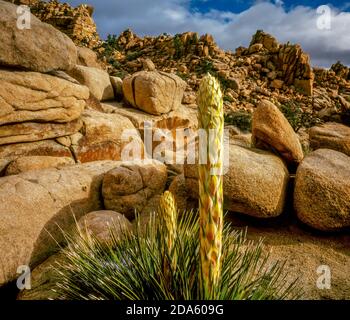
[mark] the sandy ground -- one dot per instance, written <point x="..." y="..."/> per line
<point x="304" y="250"/>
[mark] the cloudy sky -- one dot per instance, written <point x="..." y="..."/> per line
<point x="323" y="33"/>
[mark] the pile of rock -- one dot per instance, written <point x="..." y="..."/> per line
<point x="77" y="23"/>
<point x="53" y="100"/>
<point x="266" y="69"/>
<point x="55" y="112"/>
<point x="257" y="180"/>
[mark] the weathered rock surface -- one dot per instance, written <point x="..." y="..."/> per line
<point x="322" y="190"/>
<point x="41" y="48"/>
<point x="100" y="225"/>
<point x="3" y="165"/>
<point x="87" y="58"/>
<point x="331" y="136"/>
<point x="154" y="92"/>
<point x="36" y="131"/>
<point x="31" y="96"/>
<point x="184" y="118"/>
<point x="271" y="130"/>
<point x="76" y="22"/>
<point x="33" y="203"/>
<point x="38" y="148"/>
<point x="255" y="182"/>
<point x="128" y="188"/>
<point x="24" y="164"/>
<point x="102" y="137"/>
<point x="117" y="85"/>
<point x="179" y="190"/>
<point x="96" y="80"/>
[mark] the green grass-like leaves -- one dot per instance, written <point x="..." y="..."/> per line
<point x="132" y="267"/>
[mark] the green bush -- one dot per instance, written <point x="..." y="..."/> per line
<point x="132" y="268"/>
<point x="241" y="120"/>
<point x="297" y="117"/>
<point x="133" y="55"/>
<point x="179" y="47"/>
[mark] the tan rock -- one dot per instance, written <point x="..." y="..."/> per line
<point x="271" y="130"/>
<point x="117" y="85"/>
<point x="102" y="138"/>
<point x="128" y="188"/>
<point x="3" y="165"/>
<point x="277" y="84"/>
<point x="29" y="163"/>
<point x="151" y="206"/>
<point x="96" y="80"/>
<point x="41" y="48"/>
<point x="32" y="206"/>
<point x="179" y="190"/>
<point x="266" y="40"/>
<point x="64" y="141"/>
<point x="255" y="182"/>
<point x="39" y="148"/>
<point x="87" y="58"/>
<point x="31" y="96"/>
<point x="148" y="65"/>
<point x="36" y="131"/>
<point x="304" y="85"/>
<point x="102" y="224"/>
<point x="189" y="98"/>
<point x="256" y="47"/>
<point x="181" y="119"/>
<point x="154" y="92"/>
<point x="322" y="190"/>
<point x="331" y="135"/>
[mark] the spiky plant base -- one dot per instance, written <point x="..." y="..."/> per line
<point x="132" y="268"/>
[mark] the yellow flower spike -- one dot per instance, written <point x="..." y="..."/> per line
<point x="168" y="212"/>
<point x="211" y="119"/>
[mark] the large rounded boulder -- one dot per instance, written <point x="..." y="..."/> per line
<point x="322" y="190"/>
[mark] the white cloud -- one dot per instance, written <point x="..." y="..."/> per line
<point x="299" y="25"/>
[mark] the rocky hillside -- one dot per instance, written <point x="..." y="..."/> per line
<point x="67" y="99"/>
<point x="266" y="69"/>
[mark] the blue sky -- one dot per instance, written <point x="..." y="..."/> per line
<point x="241" y="5"/>
<point x="233" y="22"/>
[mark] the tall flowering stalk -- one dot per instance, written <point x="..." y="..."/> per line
<point x="168" y="212"/>
<point x="211" y="119"/>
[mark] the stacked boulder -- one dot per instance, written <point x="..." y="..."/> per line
<point x="257" y="180"/>
<point x="50" y="93"/>
<point x="59" y="117"/>
<point x="76" y="23"/>
<point x="292" y="64"/>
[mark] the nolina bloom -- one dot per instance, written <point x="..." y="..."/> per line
<point x="211" y="118"/>
<point x="168" y="212"/>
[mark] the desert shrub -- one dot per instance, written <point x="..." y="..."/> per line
<point x="182" y="75"/>
<point x="297" y="117"/>
<point x="207" y="67"/>
<point x="133" y="55"/>
<point x="110" y="45"/>
<point x="132" y="268"/>
<point x="179" y="47"/>
<point x="240" y="119"/>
